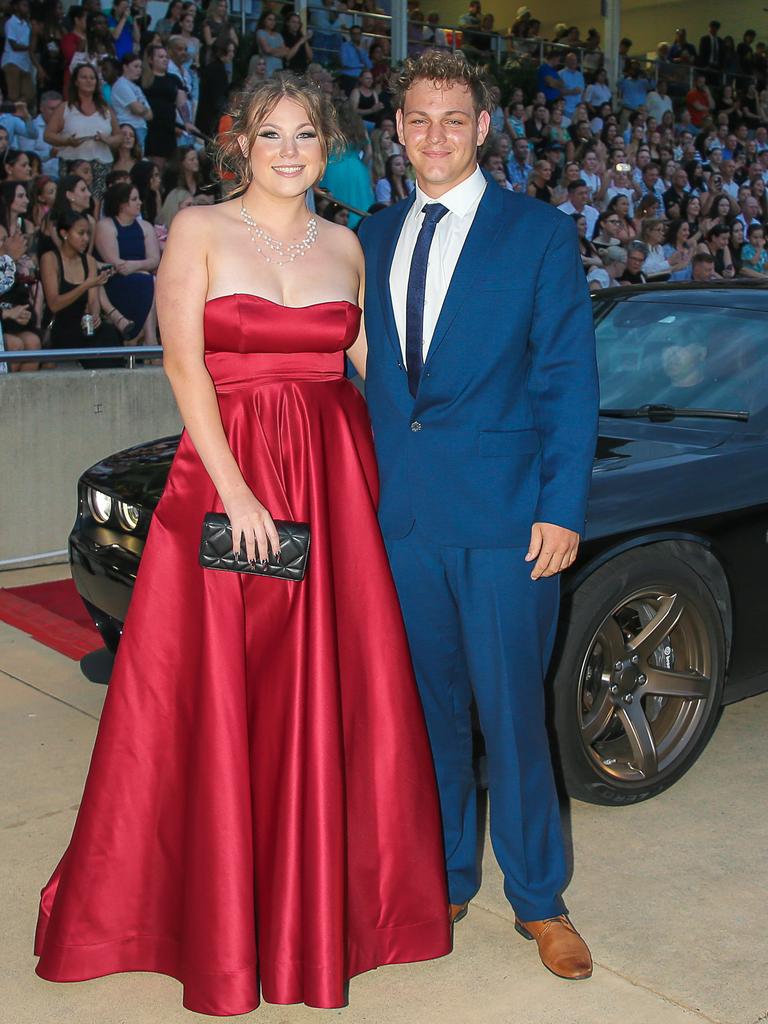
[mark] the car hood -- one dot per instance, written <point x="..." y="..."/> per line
<point x="621" y="444"/>
<point x="136" y="475"/>
<point x="648" y="474"/>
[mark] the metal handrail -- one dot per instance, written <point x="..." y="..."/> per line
<point x="339" y="202"/>
<point x="353" y="18"/>
<point x="74" y="355"/>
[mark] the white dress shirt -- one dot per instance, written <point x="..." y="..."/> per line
<point x="589" y="212"/>
<point x="48" y="164"/>
<point x="448" y="241"/>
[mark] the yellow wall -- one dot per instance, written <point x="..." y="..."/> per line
<point x="646" y="23"/>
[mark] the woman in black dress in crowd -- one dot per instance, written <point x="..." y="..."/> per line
<point x="145" y="175"/>
<point x="538" y="183"/>
<point x="72" y="195"/>
<point x="16" y="221"/>
<point x="365" y="100"/>
<point x="99" y="38"/>
<point x="72" y="285"/>
<point x="691" y="212"/>
<point x="20" y="321"/>
<point x="717" y="244"/>
<point x="589" y="255"/>
<point x="627" y="231"/>
<point x="214" y="87"/>
<point x="47" y="33"/>
<point x="737" y="243"/>
<point x="74" y="198"/>
<point x="299" y="54"/>
<point x="164" y="96"/>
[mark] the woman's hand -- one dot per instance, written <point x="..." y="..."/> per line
<point x="15" y="246"/>
<point x="251" y="522"/>
<point x="121" y="267"/>
<point x="20" y="314"/>
<point x="98" y="279"/>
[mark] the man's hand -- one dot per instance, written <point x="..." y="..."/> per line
<point x="553" y="547"/>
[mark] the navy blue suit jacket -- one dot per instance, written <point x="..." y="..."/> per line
<point x="502" y="431"/>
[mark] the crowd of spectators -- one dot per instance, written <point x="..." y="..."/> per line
<point x="107" y="120"/>
<point x="665" y="183"/>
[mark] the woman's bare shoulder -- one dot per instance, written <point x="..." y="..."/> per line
<point x="339" y="238"/>
<point x="200" y="222"/>
<point x="342" y="246"/>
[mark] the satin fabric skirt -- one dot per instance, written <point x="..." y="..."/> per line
<point x="261" y="808"/>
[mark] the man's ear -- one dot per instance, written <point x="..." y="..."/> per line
<point x="399" y="127"/>
<point x="483" y="126"/>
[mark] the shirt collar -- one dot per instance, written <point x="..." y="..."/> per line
<point x="460" y="199"/>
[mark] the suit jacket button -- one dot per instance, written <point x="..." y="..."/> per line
<point x="415" y="426"/>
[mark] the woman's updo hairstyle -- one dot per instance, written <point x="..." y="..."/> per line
<point x="117" y="196"/>
<point x="251" y="108"/>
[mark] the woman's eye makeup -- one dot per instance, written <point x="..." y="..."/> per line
<point x="271" y="134"/>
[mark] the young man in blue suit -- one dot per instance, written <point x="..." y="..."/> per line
<point x="482" y="389"/>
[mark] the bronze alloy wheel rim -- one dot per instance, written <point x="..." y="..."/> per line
<point x="645" y="685"/>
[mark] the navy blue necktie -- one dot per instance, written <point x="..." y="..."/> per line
<point x="414" y="303"/>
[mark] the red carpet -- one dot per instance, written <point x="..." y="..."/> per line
<point x="54" y="615"/>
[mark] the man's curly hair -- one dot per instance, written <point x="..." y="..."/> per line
<point x="442" y="67"/>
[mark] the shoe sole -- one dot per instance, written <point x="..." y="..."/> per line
<point x="563" y="977"/>
<point x="461" y="915"/>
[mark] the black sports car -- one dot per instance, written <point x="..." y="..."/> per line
<point x="663" y="613"/>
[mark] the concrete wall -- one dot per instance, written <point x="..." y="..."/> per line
<point x="53" y="425"/>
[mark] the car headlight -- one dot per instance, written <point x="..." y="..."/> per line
<point x="100" y="505"/>
<point x="128" y="515"/>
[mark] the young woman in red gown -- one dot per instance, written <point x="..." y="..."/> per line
<point x="261" y="811"/>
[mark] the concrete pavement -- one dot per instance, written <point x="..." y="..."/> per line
<point x="670" y="893"/>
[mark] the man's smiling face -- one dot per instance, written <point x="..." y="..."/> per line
<point x="441" y="131"/>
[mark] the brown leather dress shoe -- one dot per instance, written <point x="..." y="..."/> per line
<point x="561" y="948"/>
<point x="457" y="911"/>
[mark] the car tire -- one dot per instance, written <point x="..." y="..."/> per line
<point x="111" y="630"/>
<point x="639" y="679"/>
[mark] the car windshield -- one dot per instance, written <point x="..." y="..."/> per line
<point x="674" y="353"/>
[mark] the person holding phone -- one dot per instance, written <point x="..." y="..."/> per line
<point x="72" y="283"/>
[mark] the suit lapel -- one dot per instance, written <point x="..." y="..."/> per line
<point x="386" y="255"/>
<point x="479" y="243"/>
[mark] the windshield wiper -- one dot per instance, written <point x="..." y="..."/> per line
<point x="665" y="413"/>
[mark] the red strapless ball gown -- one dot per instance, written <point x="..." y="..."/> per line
<point x="261" y="807"/>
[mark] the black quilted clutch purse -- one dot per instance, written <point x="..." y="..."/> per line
<point x="216" y="549"/>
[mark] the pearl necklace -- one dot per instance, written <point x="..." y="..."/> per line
<point x="260" y="237"/>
